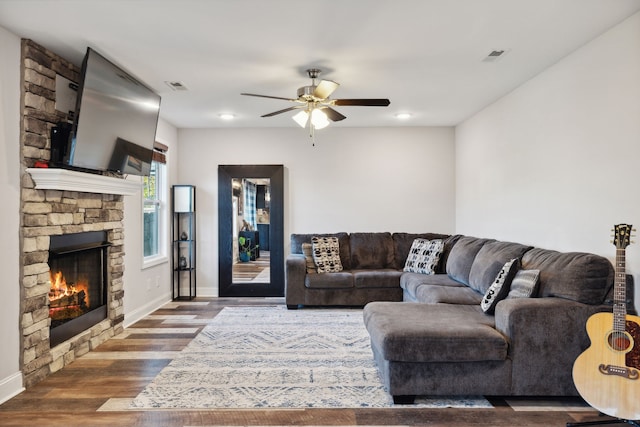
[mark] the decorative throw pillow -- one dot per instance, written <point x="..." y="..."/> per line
<point x="307" y="250"/>
<point x="524" y="284"/>
<point x="424" y="256"/>
<point x="326" y="254"/>
<point x="500" y="286"/>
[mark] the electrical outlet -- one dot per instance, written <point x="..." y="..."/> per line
<point x="148" y="283"/>
<point x="157" y="281"/>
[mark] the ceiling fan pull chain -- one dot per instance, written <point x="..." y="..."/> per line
<point x="312" y="134"/>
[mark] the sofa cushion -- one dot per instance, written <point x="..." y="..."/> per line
<point x="449" y="243"/>
<point x="384" y="278"/>
<point x="500" y="286"/>
<point x="424" y="256"/>
<point x="343" y="241"/>
<point x="342" y="280"/>
<point x="402" y="243"/>
<point x="371" y="250"/>
<point x="410" y="282"/>
<point x="490" y="260"/>
<point x="577" y="276"/>
<point x="326" y="254"/>
<point x="524" y="284"/>
<point x="418" y="333"/>
<point x="461" y="258"/>
<point x="433" y="294"/>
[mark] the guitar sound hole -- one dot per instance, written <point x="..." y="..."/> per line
<point x="619" y="341"/>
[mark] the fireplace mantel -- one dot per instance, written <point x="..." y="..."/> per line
<point x="68" y="180"/>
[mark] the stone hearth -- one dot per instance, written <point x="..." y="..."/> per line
<point x="52" y="210"/>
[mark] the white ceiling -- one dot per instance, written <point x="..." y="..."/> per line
<point x="426" y="56"/>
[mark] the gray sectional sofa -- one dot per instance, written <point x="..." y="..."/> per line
<point x="428" y="332"/>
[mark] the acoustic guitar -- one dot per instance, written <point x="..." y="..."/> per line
<point x="607" y="374"/>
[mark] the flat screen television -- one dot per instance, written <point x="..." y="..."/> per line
<point x="115" y="121"/>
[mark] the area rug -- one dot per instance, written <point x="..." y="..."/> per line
<point x="271" y="357"/>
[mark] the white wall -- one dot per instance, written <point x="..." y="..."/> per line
<point x="10" y="375"/>
<point x="146" y="288"/>
<point x="555" y="163"/>
<point x="381" y="179"/>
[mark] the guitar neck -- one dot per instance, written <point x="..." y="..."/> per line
<point x="620" y="291"/>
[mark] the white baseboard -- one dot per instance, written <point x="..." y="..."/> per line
<point x="207" y="291"/>
<point x="11" y="386"/>
<point x="141" y="312"/>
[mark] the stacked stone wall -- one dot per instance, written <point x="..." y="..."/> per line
<point x="51" y="212"/>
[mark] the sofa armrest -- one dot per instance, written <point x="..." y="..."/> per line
<point x="545" y="336"/>
<point x="295" y="269"/>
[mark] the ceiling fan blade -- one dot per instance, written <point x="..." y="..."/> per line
<point x="268" y="96"/>
<point x="325" y="88"/>
<point x="281" y="111"/>
<point x="333" y="115"/>
<point x="364" y="102"/>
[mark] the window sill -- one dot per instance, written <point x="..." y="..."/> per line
<point x="154" y="261"/>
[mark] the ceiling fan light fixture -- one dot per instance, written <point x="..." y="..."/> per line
<point x="403" y="116"/>
<point x="319" y="119"/>
<point x="315" y="106"/>
<point x="301" y="118"/>
<point x="227" y="116"/>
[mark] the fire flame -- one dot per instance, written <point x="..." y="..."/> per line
<point x="60" y="289"/>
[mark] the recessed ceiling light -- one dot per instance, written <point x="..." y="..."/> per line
<point x="403" y="116"/>
<point x="227" y="116"/>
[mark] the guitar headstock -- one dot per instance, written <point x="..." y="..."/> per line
<point x="622" y="235"/>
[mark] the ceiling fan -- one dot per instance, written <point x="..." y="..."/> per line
<point x="315" y="105"/>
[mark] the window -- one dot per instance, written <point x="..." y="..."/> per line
<point x="153" y="211"/>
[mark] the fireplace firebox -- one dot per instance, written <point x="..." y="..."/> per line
<point x="78" y="279"/>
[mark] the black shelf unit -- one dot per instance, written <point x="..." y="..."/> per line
<point x="183" y="235"/>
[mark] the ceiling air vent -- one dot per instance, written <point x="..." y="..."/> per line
<point x="176" y="85"/>
<point x="494" y="55"/>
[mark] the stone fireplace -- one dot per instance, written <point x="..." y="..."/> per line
<point x="57" y="206"/>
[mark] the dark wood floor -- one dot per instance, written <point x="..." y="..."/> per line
<point x="88" y="391"/>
